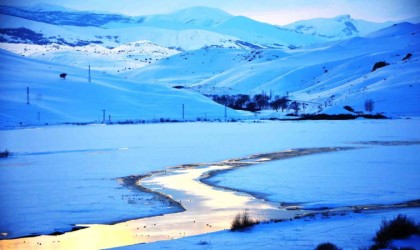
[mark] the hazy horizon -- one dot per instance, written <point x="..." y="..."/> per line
<point x="280" y="12"/>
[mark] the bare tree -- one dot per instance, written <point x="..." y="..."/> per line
<point x="280" y="103"/>
<point x="369" y="105"/>
<point x="295" y="106"/>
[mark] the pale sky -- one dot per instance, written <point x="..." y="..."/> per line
<point x="269" y="11"/>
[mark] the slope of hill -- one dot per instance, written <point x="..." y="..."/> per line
<point x="191" y="67"/>
<point x="54" y="100"/>
<point x="323" y="78"/>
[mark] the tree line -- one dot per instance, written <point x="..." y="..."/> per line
<point x="257" y="102"/>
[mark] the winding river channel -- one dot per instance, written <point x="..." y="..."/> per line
<point x="205" y="208"/>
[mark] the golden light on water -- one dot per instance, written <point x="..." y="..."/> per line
<point x="208" y="209"/>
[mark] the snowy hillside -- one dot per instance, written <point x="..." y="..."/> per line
<point x="337" y="28"/>
<point x="325" y="79"/>
<point x="53" y="100"/>
<point x="109" y="60"/>
<point x="190" y="67"/>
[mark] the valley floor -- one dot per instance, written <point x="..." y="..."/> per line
<point x="380" y="166"/>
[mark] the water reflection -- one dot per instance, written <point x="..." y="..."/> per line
<point x="207" y="209"/>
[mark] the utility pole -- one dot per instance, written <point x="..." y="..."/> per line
<point x="103" y="116"/>
<point x="89" y="78"/>
<point x="183" y="112"/>
<point x="27" y="95"/>
<point x="225" y="113"/>
<point x="109" y="119"/>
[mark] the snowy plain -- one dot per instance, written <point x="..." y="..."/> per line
<point x="349" y="232"/>
<point x="74" y="168"/>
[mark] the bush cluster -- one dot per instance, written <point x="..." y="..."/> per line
<point x="242" y="221"/>
<point x="408" y="56"/>
<point x="378" y="65"/>
<point x="327" y="246"/>
<point x="4" y="154"/>
<point x="400" y="227"/>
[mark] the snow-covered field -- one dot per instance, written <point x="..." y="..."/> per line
<point x="63" y="175"/>
<point x="353" y="231"/>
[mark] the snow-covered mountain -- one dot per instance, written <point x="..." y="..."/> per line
<point x="117" y="43"/>
<point x="193" y="17"/>
<point x="337" y="28"/>
<point x="191" y="28"/>
<point x="53" y="14"/>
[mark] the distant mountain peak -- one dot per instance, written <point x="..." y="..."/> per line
<point x="343" y="18"/>
<point x="197" y="15"/>
<point x="202" y="10"/>
<point x="47" y="7"/>
<point x="336" y="28"/>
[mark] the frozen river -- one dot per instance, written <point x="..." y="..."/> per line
<point x="61" y="176"/>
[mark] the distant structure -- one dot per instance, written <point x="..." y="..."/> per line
<point x="63" y="76"/>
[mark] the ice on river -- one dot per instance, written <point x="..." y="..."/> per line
<point x="63" y="175"/>
<point x="367" y="175"/>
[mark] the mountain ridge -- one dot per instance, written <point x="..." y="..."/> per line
<point x="216" y="21"/>
<point x="337" y="28"/>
